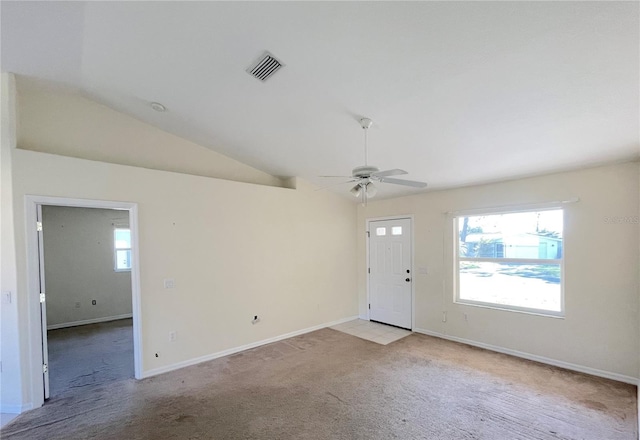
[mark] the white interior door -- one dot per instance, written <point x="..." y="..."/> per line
<point x="390" y="274"/>
<point x="43" y="306"/>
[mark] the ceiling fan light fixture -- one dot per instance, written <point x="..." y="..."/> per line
<point x="366" y="174"/>
<point x="371" y="190"/>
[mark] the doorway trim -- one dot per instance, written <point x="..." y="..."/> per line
<point x="32" y="202"/>
<point x="368" y="222"/>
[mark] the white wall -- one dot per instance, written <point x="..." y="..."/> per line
<point x="79" y="265"/>
<point x="600" y="330"/>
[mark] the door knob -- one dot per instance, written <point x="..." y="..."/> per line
<point x="408" y="279"/>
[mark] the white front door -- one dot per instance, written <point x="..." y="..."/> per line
<point x="390" y="274"/>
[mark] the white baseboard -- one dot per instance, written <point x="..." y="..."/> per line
<point x="234" y="350"/>
<point x="15" y="409"/>
<point x="365" y="317"/>
<point x="89" y="321"/>
<point x="533" y="357"/>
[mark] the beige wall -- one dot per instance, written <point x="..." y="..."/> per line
<point x="79" y="265"/>
<point x="235" y="250"/>
<point x="66" y="123"/>
<point x="11" y="338"/>
<point x="600" y="330"/>
<point x="297" y="257"/>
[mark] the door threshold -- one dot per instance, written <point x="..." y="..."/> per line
<point x="391" y="325"/>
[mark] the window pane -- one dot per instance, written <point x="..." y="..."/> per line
<point x="123" y="239"/>
<point x="381" y="231"/>
<point x="396" y="230"/>
<point x="123" y="259"/>
<point x="535" y="286"/>
<point x="531" y="235"/>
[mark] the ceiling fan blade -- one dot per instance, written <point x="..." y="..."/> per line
<point x="336" y="184"/>
<point x="412" y="183"/>
<point x="394" y="172"/>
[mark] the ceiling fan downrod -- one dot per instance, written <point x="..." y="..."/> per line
<point x="365" y="123"/>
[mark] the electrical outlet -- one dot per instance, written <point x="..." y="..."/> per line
<point x="173" y="335"/>
<point x="169" y="283"/>
<point x="444" y="316"/>
<point x="77" y="305"/>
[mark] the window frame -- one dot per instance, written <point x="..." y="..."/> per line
<point x="506" y="307"/>
<point x="116" y="249"/>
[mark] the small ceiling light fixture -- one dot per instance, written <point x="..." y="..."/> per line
<point x="158" y="107"/>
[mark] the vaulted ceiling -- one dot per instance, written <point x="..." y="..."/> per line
<point x="459" y="92"/>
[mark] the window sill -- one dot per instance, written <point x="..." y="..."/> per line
<point x="507" y="308"/>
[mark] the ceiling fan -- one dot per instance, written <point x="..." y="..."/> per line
<point x="365" y="175"/>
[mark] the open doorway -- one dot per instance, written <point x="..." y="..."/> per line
<point x="87" y="280"/>
<point x="84" y="297"/>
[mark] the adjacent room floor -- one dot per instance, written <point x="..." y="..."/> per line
<point x="331" y="385"/>
<point x="89" y="355"/>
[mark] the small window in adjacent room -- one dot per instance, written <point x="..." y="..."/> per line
<point x="511" y="260"/>
<point x="122" y="245"/>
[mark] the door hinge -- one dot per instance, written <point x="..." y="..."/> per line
<point x="45" y="368"/>
<point x="368" y="234"/>
<point x="42" y="297"/>
<point x="369" y="306"/>
<point x="38" y="226"/>
<point x="369" y="269"/>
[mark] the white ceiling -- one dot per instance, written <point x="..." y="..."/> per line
<point x="460" y="92"/>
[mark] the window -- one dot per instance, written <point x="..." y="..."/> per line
<point x="511" y="260"/>
<point x="396" y="230"/>
<point x="381" y="231"/>
<point x="122" y="247"/>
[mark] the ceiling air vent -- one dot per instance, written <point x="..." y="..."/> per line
<point x="265" y="67"/>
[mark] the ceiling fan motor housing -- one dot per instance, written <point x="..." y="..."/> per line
<point x="364" y="171"/>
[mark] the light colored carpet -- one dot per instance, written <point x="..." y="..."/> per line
<point x="331" y="385"/>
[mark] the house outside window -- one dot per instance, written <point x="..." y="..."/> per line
<point x="511" y="260"/>
<point x="122" y="249"/>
